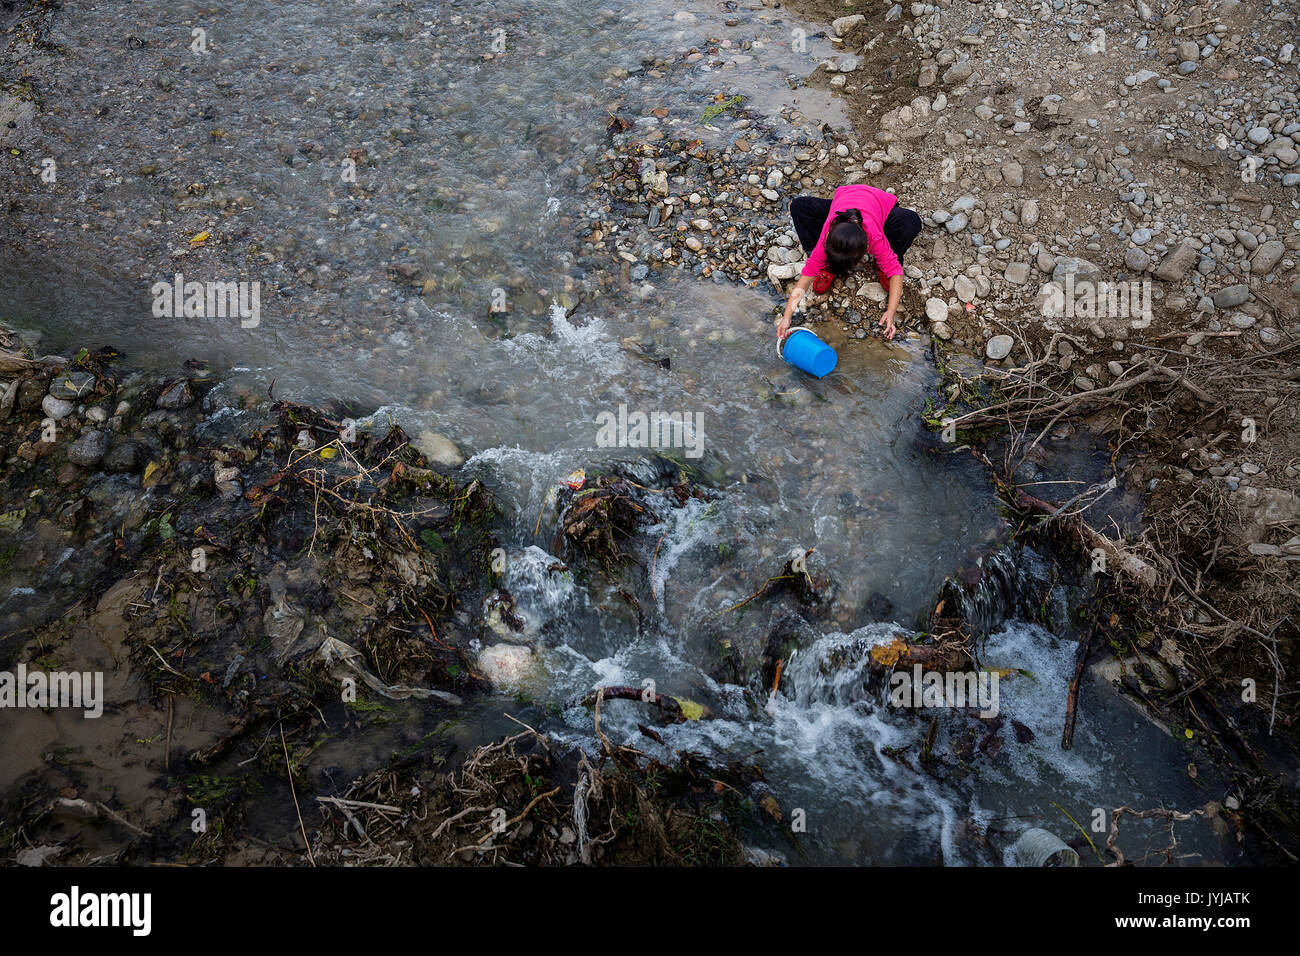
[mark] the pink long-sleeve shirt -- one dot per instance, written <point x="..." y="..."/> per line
<point x="874" y="204"/>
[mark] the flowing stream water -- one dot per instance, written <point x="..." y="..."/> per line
<point x="473" y="170"/>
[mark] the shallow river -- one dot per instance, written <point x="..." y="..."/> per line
<point x="472" y="170"/>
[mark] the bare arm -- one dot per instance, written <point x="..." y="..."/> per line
<point x="799" y="290"/>
<point x="895" y="294"/>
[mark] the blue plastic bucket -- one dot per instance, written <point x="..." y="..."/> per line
<point x="805" y="351"/>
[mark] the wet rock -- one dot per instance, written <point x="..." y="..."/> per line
<point x="56" y="408"/>
<point x="123" y="458"/>
<point x="999" y="347"/>
<point x="507" y="666"/>
<point x="72" y="385"/>
<point x="878" y="607"/>
<point x="439" y="449"/>
<point x="31" y="393"/>
<point x="89" y="448"/>
<point x="176" y="395"/>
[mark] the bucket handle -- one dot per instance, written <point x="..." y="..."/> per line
<point x="780" y="343"/>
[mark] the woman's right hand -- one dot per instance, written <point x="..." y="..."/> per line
<point x="783" y="326"/>
<point x="796" y="294"/>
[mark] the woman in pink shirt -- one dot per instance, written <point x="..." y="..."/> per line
<point x="839" y="234"/>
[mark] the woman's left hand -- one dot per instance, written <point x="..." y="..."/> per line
<point x="887" y="323"/>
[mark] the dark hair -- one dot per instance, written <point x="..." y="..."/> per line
<point x="846" y="243"/>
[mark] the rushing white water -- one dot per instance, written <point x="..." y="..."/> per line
<point x="470" y="181"/>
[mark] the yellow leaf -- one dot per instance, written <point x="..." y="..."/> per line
<point x="1188" y="733"/>
<point x="690" y="709"/>
<point x="202" y="237"/>
<point x="149" y="469"/>
<point x="328" y="453"/>
<point x="887" y="655"/>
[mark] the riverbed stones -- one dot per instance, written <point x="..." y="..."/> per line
<point x="1136" y="259"/>
<point x="1177" y="262"/>
<point x="964" y="287"/>
<point x="1229" y="297"/>
<point x="780" y="272"/>
<point x="507" y="666"/>
<point x="1017" y="273"/>
<point x="848" y="27"/>
<point x="439" y="449"/>
<point x="124" y="457"/>
<point x="999" y="347"/>
<point x="959" y="71"/>
<point x="874" y="292"/>
<point x="1029" y="213"/>
<point x="1268" y="255"/>
<point x="175" y="395"/>
<point x="1081" y="269"/>
<point x="89" y="448"/>
<point x="936" y="310"/>
<point x="56" y="408"/>
<point x="72" y="385"/>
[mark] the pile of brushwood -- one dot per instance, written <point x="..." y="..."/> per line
<point x="1199" y="608"/>
<point x="529" y="799"/>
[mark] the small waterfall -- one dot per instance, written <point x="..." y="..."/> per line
<point x="835" y="669"/>
<point x="1012" y="583"/>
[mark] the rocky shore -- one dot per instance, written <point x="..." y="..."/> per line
<point x="241" y="564"/>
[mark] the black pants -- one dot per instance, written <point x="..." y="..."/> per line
<point x="809" y="213"/>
